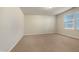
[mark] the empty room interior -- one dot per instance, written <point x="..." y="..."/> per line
<point x="39" y="29"/>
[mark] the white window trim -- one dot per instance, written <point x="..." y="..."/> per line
<point x="75" y="21"/>
<point x="73" y="27"/>
<point x="69" y="28"/>
<point x="74" y="24"/>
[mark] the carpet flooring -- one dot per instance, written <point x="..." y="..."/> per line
<point x="47" y="43"/>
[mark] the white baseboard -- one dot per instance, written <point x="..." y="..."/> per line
<point x="22" y="37"/>
<point x="16" y="43"/>
<point x="39" y="34"/>
<point x="69" y="35"/>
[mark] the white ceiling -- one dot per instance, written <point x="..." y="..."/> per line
<point x="44" y="10"/>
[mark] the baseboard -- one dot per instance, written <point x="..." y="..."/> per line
<point x="15" y="43"/>
<point x="22" y="37"/>
<point x="39" y="34"/>
<point x="74" y="37"/>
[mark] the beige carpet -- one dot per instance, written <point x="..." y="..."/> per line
<point x="47" y="43"/>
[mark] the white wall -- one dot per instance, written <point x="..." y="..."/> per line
<point x="39" y="24"/>
<point x="11" y="27"/>
<point x="60" y="24"/>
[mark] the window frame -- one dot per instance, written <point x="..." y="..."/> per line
<point x="69" y="21"/>
<point x="74" y="20"/>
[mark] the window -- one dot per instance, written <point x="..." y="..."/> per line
<point x="77" y="25"/>
<point x="77" y="20"/>
<point x="69" y="21"/>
